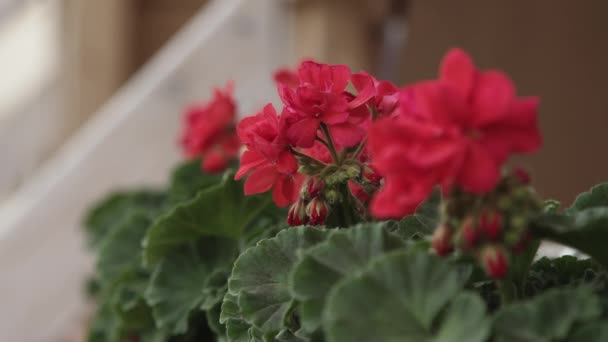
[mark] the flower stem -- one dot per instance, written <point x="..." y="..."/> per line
<point x="307" y="157"/>
<point x="507" y="290"/>
<point x="330" y="144"/>
<point x="359" y="148"/>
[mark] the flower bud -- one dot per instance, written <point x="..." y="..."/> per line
<point x="522" y="243"/>
<point x="521" y="175"/>
<point x="442" y="240"/>
<point x="490" y="224"/>
<point x="470" y="234"/>
<point x="494" y="261"/>
<point x="314" y="187"/>
<point x="297" y="214"/>
<point x="372" y="176"/>
<point x="317" y="211"/>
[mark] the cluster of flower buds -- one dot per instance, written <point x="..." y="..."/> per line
<point x="311" y="207"/>
<point x="491" y="227"/>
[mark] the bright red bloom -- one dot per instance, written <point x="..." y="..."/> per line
<point x="382" y="96"/>
<point x="458" y="130"/>
<point x="479" y="114"/>
<point x="268" y="160"/>
<point x="319" y="98"/>
<point x="209" y="131"/>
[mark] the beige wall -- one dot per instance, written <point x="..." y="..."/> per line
<point x="555" y="49"/>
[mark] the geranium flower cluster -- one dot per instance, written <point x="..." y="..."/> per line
<point x="313" y="153"/>
<point x="209" y="131"/>
<point x="455" y="132"/>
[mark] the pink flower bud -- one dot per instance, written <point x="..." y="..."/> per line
<point x="522" y="243"/>
<point x="470" y="235"/>
<point x="521" y="175"/>
<point x="297" y="214"/>
<point x="494" y="261"/>
<point x="490" y="223"/>
<point x="372" y="176"/>
<point x="317" y="211"/>
<point x="442" y="240"/>
<point x="314" y="187"/>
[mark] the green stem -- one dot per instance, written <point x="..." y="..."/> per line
<point x="307" y="157"/>
<point x="359" y="148"/>
<point x="330" y="144"/>
<point x="507" y="290"/>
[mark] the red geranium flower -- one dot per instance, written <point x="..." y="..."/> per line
<point x="209" y="131"/>
<point x="382" y="96"/>
<point x="319" y="98"/>
<point x="268" y="160"/>
<point x="457" y="130"/>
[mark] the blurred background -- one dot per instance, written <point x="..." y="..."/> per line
<point x="92" y="93"/>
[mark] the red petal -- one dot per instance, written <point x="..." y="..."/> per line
<point x="442" y="103"/>
<point x="340" y="76"/>
<point x="346" y="134"/>
<point x="287" y="163"/>
<point x="492" y="98"/>
<point x="286" y="189"/>
<point x="249" y="161"/>
<point x="303" y="132"/>
<point x="364" y="84"/>
<point x="261" y="180"/>
<point x="458" y="69"/>
<point x="480" y="172"/>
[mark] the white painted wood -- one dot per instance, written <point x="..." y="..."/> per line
<point x="130" y="142"/>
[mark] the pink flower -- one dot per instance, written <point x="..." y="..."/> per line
<point x="208" y="131"/>
<point x="268" y="160"/>
<point x="319" y="98"/>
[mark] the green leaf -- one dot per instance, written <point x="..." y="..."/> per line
<point x="401" y="297"/>
<point x="237" y="329"/>
<point x="120" y="251"/>
<point x="590" y="332"/>
<point x="112" y="210"/>
<point x="585" y="230"/>
<point x="597" y="196"/>
<point x="322" y="266"/>
<point x="221" y="210"/>
<point x="428" y="212"/>
<point x="563" y="271"/>
<point x="548" y="317"/>
<point x="260" y="276"/>
<point x="178" y="285"/>
<point x="188" y="179"/>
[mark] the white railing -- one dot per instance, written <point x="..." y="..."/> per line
<point x="130" y="142"/>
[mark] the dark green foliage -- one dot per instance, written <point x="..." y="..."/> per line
<point x="202" y="262"/>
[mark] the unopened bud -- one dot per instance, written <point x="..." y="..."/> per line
<point x="522" y="244"/>
<point x="317" y="211"/>
<point x="297" y="214"/>
<point x="470" y="235"/>
<point x="314" y="186"/>
<point x="442" y="240"/>
<point x="521" y="175"/>
<point x="494" y="261"/>
<point x="372" y="176"/>
<point x="490" y="224"/>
